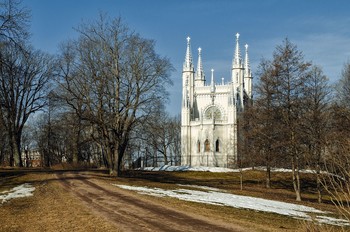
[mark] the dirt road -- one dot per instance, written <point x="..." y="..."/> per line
<point x="132" y="212"/>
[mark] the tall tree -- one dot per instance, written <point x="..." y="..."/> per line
<point x="343" y="87"/>
<point x="286" y="78"/>
<point x="315" y="122"/>
<point x="112" y="77"/>
<point x="24" y="79"/>
<point x="291" y="73"/>
<point x="337" y="160"/>
<point x="13" y="33"/>
<point x="265" y="119"/>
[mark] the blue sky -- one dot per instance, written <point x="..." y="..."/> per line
<point x="319" y="28"/>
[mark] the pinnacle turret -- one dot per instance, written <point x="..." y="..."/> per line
<point x="212" y="84"/>
<point x="200" y="72"/>
<point x="246" y="63"/>
<point x="237" y="60"/>
<point x="247" y="74"/>
<point x="188" y="65"/>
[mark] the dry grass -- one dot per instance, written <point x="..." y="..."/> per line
<point x="254" y="185"/>
<point x="53" y="209"/>
<point x="50" y="209"/>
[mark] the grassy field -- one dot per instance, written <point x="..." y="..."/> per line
<point x="53" y="209"/>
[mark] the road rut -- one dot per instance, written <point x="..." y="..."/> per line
<point x="131" y="212"/>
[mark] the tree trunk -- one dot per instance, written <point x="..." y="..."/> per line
<point x="268" y="175"/>
<point x="75" y="153"/>
<point x="318" y="183"/>
<point x="76" y="144"/>
<point x="119" y="156"/>
<point x="17" y="159"/>
<point x="165" y="156"/>
<point x="296" y="179"/>
<point x="241" y="178"/>
<point x="110" y="160"/>
<point x="116" y="160"/>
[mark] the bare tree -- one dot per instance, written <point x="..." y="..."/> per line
<point x="277" y="110"/>
<point x="315" y="122"/>
<point x="337" y="159"/>
<point x="175" y="146"/>
<point x="13" y="33"/>
<point x="162" y="134"/>
<point x="24" y="79"/>
<point x="265" y="119"/>
<point x="4" y="148"/>
<point x="291" y="72"/>
<point x="112" y="78"/>
<point x="14" y="21"/>
<point x="343" y="87"/>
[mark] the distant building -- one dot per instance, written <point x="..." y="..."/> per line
<point x="31" y="158"/>
<point x="210" y="110"/>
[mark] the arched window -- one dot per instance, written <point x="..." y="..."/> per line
<point x="217" y="145"/>
<point x="206" y="145"/>
<point x="213" y="112"/>
<point x="198" y="146"/>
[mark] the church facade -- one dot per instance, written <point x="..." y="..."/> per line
<point x="209" y="132"/>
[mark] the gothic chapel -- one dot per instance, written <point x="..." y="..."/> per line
<point x="209" y="111"/>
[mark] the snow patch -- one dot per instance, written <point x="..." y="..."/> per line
<point x="169" y="168"/>
<point x="191" y="169"/>
<point x="215" y="197"/>
<point x="200" y="187"/>
<point x="23" y="190"/>
<point x="332" y="221"/>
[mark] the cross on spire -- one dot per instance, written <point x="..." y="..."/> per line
<point x="188" y="58"/>
<point x="237" y="56"/>
<point x="200" y="73"/>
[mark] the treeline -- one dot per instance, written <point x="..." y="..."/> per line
<point x="299" y="120"/>
<point x="102" y="96"/>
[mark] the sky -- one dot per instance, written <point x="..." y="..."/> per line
<point x="319" y="28"/>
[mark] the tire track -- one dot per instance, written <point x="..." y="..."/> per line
<point x="132" y="214"/>
<point x="107" y="210"/>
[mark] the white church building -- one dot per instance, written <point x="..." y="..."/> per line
<point x="209" y="113"/>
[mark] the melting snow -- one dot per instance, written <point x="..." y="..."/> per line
<point x="216" y="197"/>
<point x="200" y="187"/>
<point x="190" y="168"/>
<point x="24" y="190"/>
<point x="216" y="169"/>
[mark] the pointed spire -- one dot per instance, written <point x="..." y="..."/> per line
<point x="237" y="57"/>
<point x="188" y="58"/>
<point x="212" y="85"/>
<point x="200" y="73"/>
<point x="246" y="62"/>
